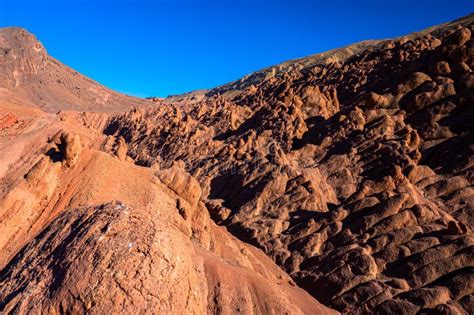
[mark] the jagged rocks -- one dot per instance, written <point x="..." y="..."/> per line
<point x="218" y="212"/>
<point x="316" y="103"/>
<point x="121" y="149"/>
<point x="355" y="175"/>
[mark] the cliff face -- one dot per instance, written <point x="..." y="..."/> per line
<point x="352" y="170"/>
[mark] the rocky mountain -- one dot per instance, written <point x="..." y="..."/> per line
<point x="343" y="179"/>
<point x="30" y="76"/>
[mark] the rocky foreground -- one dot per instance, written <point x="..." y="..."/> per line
<point x="351" y="170"/>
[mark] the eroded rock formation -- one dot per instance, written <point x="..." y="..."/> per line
<point x="355" y="176"/>
<point x="352" y="170"/>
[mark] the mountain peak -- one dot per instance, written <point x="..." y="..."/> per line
<point x="21" y="55"/>
<point x="29" y="74"/>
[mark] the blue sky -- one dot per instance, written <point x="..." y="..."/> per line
<point x="163" y="47"/>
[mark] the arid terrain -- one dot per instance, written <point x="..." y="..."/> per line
<point x="339" y="182"/>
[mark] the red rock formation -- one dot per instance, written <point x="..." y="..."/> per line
<point x="355" y="176"/>
<point x="352" y="170"/>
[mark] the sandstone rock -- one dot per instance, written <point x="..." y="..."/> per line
<point x="183" y="184"/>
<point x="374" y="100"/>
<point x="419" y="172"/>
<point x="218" y="212"/>
<point x="121" y="150"/>
<point x="459" y="37"/>
<point x="71" y="148"/>
<point x="427" y="94"/>
<point x="412" y="82"/>
<point x="441" y="68"/>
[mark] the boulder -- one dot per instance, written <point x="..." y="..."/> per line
<point x="71" y="148"/>
<point x="182" y="183"/>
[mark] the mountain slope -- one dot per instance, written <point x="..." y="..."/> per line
<point x="30" y="76"/>
<point x="352" y="170"/>
<point x="84" y="229"/>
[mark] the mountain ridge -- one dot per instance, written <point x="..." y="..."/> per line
<point x="44" y="82"/>
<point x="342" y="186"/>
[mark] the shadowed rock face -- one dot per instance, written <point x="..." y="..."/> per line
<point x="352" y="170"/>
<point x="354" y="175"/>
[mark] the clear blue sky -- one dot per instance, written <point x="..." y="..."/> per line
<point x="162" y="47"/>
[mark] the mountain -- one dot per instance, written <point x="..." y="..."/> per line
<point x="351" y="170"/>
<point x="29" y="73"/>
